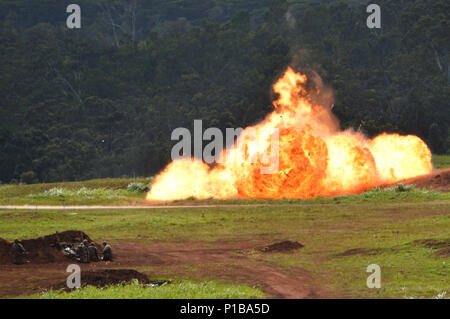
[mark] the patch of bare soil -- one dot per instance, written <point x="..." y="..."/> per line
<point x="283" y="246"/>
<point x="444" y="252"/>
<point x="360" y="251"/>
<point x="5" y="252"/>
<point x="443" y="245"/>
<point x="187" y="259"/>
<point x="108" y="277"/>
<point x="433" y="243"/>
<point x="43" y="250"/>
<point x="438" y="181"/>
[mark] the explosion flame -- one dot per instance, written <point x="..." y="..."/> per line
<point x="315" y="157"/>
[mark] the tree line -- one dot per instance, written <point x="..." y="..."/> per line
<point x="103" y="100"/>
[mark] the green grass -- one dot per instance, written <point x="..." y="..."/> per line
<point x="177" y="290"/>
<point x="389" y="221"/>
<point x="441" y="161"/>
<point x="410" y="272"/>
<point x="116" y="192"/>
<point x="408" y="269"/>
<point x="100" y="191"/>
<point x="82" y="192"/>
<point x="398" y="193"/>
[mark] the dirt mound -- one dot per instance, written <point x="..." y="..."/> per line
<point x="282" y="247"/>
<point x="360" y="251"/>
<point x="5" y="248"/>
<point x="108" y="277"/>
<point x="438" y="181"/>
<point x="44" y="249"/>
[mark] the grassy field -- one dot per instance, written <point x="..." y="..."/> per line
<point x="392" y="228"/>
<point x="99" y="191"/>
<point x="115" y="192"/>
<point x="177" y="290"/>
<point x="441" y="161"/>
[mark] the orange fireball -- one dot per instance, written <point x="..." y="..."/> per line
<point x="313" y="157"/>
<point x="400" y="157"/>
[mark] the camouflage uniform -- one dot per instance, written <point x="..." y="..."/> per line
<point x="107" y="252"/>
<point x="93" y="253"/>
<point x="83" y="253"/>
<point x="18" y="252"/>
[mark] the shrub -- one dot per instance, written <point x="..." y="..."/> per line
<point x="404" y="188"/>
<point x="28" y="177"/>
<point x="54" y="192"/>
<point x="82" y="192"/>
<point x="137" y="188"/>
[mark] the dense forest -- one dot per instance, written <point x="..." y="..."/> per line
<point x="102" y="101"/>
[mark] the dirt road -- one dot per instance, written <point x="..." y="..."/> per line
<point x="96" y="207"/>
<point x="174" y="260"/>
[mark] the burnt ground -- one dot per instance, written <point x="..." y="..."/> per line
<point x="169" y="260"/>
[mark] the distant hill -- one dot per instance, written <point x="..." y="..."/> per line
<point x="102" y="101"/>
